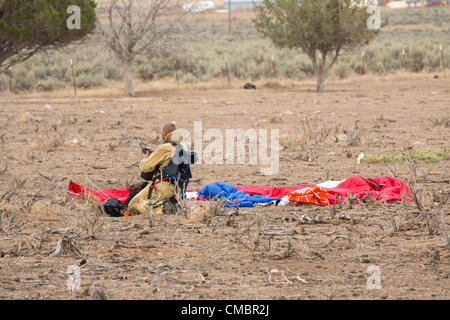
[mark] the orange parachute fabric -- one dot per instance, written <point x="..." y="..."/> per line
<point x="313" y="195"/>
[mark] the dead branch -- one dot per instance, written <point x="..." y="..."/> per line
<point x="4" y="170"/>
<point x="339" y="236"/>
<point x="132" y="246"/>
<point x="18" y="183"/>
<point x="278" y="232"/>
<point x="65" y="245"/>
<point x="44" y="176"/>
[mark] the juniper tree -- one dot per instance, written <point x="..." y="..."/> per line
<point x="321" y="28"/>
<point x="30" y="26"/>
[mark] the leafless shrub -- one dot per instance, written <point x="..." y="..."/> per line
<point x="138" y="27"/>
<point x="231" y="216"/>
<point x="417" y="192"/>
<point x="4" y="170"/>
<point x="296" y="248"/>
<point x="66" y="246"/>
<point x="216" y="207"/>
<point x="175" y="237"/>
<point x="348" y="239"/>
<point x="435" y="223"/>
<point x="354" y="135"/>
<point x="402" y="222"/>
<point x="97" y="293"/>
<point x="13" y="218"/>
<point x="250" y="239"/>
<point x="65" y="120"/>
<point x="151" y="214"/>
<point x="446" y="238"/>
<point x="17" y="184"/>
<point x="314" y="131"/>
<point x="50" y="142"/>
<point x="308" y="153"/>
<point x="440" y="197"/>
<point x="184" y="207"/>
<point x="441" y="121"/>
<point x="287" y="253"/>
<point x="112" y="145"/>
<point x="305" y="152"/>
<point x="89" y="214"/>
<point x="94" y="220"/>
<point x="311" y="132"/>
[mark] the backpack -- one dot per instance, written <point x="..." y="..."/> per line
<point x="178" y="169"/>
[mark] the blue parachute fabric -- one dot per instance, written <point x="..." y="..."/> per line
<point x="233" y="196"/>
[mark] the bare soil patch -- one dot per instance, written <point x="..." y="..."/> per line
<point x="295" y="252"/>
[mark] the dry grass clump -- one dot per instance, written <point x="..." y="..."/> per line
<point x="45" y="209"/>
<point x="204" y="212"/>
<point x="441" y="121"/>
<point x="13" y="217"/>
<point x="50" y="142"/>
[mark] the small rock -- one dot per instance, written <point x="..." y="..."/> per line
<point x="112" y="181"/>
<point x="25" y="117"/>
<point x="74" y="141"/>
<point x="275" y="119"/>
<point x="342" y="137"/>
<point x="364" y="260"/>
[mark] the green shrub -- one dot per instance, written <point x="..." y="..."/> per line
<point x="416" y="57"/>
<point x="49" y="85"/>
<point x="189" y="78"/>
<point x="248" y="52"/>
<point x="343" y="70"/>
<point x="144" y="72"/>
<point x="23" y="78"/>
<point x="4" y="82"/>
<point x="90" y="81"/>
<point x="425" y="154"/>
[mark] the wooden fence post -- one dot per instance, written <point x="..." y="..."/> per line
<point x="442" y="57"/>
<point x="227" y="68"/>
<point x="176" y="73"/>
<point x="73" y="78"/>
<point x="274" y="67"/>
<point x="363" y="71"/>
<point x="10" y="79"/>
<point x="404" y="60"/>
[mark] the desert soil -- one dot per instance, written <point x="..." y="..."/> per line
<point x="294" y="252"/>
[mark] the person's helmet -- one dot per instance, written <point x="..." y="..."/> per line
<point x="113" y="207"/>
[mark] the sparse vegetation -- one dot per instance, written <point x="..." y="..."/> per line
<point x="206" y="250"/>
<point x="249" y="54"/>
<point x="425" y="154"/>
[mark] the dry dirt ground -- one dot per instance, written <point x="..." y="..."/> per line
<point x="294" y="252"/>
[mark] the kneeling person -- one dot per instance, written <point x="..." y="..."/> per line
<point x="159" y="168"/>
